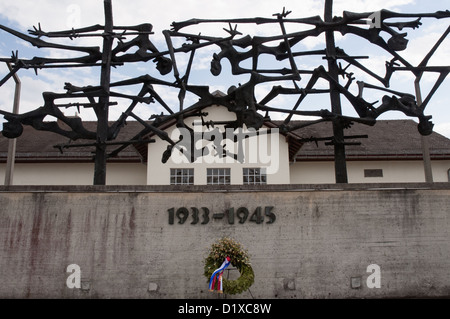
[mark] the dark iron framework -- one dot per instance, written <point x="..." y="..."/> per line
<point x="119" y="45"/>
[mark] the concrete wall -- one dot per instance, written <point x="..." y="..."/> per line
<point x="322" y="241"/>
<point x="393" y="172"/>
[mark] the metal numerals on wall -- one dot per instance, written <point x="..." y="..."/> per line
<point x="232" y="215"/>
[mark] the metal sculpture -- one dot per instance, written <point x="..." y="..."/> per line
<point x="235" y="48"/>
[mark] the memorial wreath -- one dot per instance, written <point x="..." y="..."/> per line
<point x="224" y="252"/>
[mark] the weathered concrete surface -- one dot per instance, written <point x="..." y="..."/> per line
<point x="321" y="239"/>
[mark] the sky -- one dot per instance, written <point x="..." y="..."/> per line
<point x="55" y="15"/>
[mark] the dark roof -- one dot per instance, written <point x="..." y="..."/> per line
<point x="38" y="146"/>
<point x="388" y="140"/>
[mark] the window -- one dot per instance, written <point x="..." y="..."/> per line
<point x="373" y="173"/>
<point x="181" y="176"/>
<point x="448" y="175"/>
<point x="254" y="176"/>
<point x="218" y="176"/>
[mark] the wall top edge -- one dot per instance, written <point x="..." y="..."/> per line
<point x="223" y="189"/>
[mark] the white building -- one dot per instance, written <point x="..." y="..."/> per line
<point x="392" y="153"/>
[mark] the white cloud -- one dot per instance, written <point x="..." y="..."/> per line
<point x="368" y="5"/>
<point x="443" y="129"/>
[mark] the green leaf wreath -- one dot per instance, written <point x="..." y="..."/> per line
<point x="239" y="258"/>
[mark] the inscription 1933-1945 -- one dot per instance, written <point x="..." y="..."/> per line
<point x="204" y="216"/>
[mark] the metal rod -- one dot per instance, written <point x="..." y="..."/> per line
<point x="424" y="139"/>
<point x="82" y="35"/>
<point x="102" y="110"/>
<point x="83" y="104"/>
<point x="335" y="96"/>
<point x="63" y="146"/>
<point x="12" y="142"/>
<point x="56" y="66"/>
<point x="345" y="57"/>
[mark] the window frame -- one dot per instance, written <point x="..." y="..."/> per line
<point x="189" y="176"/>
<point x="373" y="173"/>
<point x="218" y="176"/>
<point x="254" y="176"/>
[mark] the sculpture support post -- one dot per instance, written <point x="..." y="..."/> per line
<point x="338" y="129"/>
<point x="12" y="143"/>
<point x="424" y="139"/>
<point x="102" y="109"/>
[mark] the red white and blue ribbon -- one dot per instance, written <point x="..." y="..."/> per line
<point x="217" y="276"/>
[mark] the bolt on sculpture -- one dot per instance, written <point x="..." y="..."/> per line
<point x="236" y="48"/>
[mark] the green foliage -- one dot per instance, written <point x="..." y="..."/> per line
<point x="239" y="258"/>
